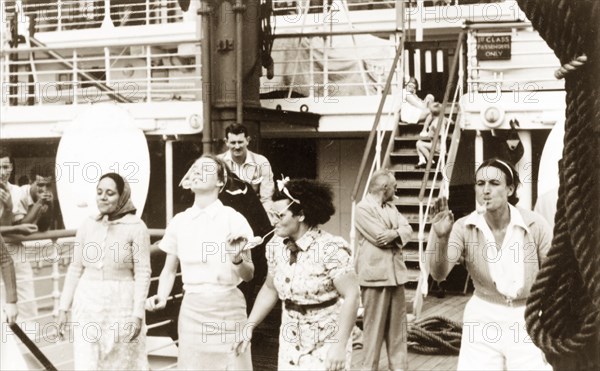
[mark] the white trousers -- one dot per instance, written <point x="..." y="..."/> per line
<point x="494" y="337"/>
<point x="10" y="354"/>
<point x="25" y="286"/>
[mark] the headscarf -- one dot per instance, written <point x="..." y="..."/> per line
<point x="124" y="205"/>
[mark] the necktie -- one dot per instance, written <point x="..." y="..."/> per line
<point x="291" y="245"/>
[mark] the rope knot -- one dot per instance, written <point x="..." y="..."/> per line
<point x="570" y="67"/>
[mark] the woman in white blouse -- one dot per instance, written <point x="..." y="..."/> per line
<point x="207" y="240"/>
<point x="107" y="284"/>
<point x="502" y="247"/>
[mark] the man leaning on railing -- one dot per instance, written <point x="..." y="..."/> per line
<point x="12" y="218"/>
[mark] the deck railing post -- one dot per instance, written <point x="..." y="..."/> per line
<point x="56" y="275"/>
<point x="59" y="15"/>
<point x="75" y="77"/>
<point x="148" y="74"/>
<point x="147" y="12"/>
<point x="107" y="74"/>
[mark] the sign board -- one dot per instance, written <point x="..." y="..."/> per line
<point x="494" y="47"/>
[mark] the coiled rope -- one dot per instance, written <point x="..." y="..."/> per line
<point x="435" y="335"/>
<point x="562" y="311"/>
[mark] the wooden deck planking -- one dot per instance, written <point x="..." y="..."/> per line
<point x="264" y="347"/>
<point x="451" y="307"/>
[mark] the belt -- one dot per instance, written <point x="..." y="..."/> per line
<point x="503" y="300"/>
<point x="303" y="308"/>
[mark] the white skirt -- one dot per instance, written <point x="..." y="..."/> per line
<point x="209" y="325"/>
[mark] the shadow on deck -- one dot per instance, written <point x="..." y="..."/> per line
<point x="264" y="343"/>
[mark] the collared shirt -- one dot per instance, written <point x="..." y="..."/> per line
<point x="468" y="245"/>
<point x="305" y="337"/>
<point x="256" y="170"/>
<point x="198" y="237"/>
<point x="506" y="264"/>
<point x="322" y="257"/>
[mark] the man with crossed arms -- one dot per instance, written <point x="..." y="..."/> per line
<point x="382" y="232"/>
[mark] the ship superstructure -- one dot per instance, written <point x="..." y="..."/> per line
<point x="326" y="107"/>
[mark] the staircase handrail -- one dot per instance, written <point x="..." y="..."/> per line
<point x="453" y="71"/>
<point x="445" y="157"/>
<point x="367" y="151"/>
<point x="423" y="214"/>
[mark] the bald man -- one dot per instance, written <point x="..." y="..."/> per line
<point x="382" y="232"/>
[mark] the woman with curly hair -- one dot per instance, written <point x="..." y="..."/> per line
<point x="310" y="270"/>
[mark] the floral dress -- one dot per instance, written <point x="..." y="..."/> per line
<point x="309" y="298"/>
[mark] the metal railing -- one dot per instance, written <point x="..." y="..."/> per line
<point x="317" y="67"/>
<point x="529" y="68"/>
<point x="53" y="250"/>
<point x="64" y="15"/>
<point x="316" y="6"/>
<point x="325" y="62"/>
<point x="136" y="73"/>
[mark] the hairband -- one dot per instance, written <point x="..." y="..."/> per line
<point x="283" y="189"/>
<point x="512" y="176"/>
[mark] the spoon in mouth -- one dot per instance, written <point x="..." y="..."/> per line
<point x="256" y="240"/>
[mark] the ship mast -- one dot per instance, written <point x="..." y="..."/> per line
<point x="229" y="34"/>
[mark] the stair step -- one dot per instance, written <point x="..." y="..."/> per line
<point x="413" y="218"/>
<point x="406" y="201"/>
<point x="404" y="152"/>
<point x="414" y="184"/>
<point x="411" y="255"/>
<point x="414" y="137"/>
<point x="408" y="169"/>
<point x="413" y="275"/>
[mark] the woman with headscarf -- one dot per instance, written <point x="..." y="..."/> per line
<point x="107" y="284"/>
<point x="312" y="272"/>
<point x="208" y="239"/>
<point x="10" y="355"/>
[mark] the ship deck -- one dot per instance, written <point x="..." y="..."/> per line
<point x="264" y="351"/>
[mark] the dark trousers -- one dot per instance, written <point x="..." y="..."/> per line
<point x="384" y="319"/>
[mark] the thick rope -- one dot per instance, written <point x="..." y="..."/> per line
<point x="570" y="67"/>
<point x="563" y="308"/>
<point x="435" y="336"/>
